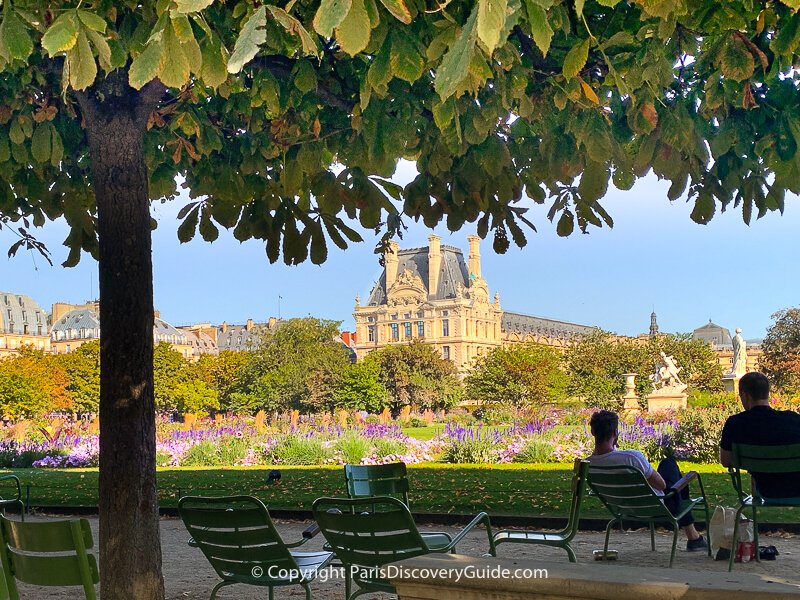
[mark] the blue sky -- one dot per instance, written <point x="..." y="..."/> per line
<point x="654" y="257"/>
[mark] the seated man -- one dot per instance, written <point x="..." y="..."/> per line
<point x="761" y="425"/>
<point x="604" y="425"/>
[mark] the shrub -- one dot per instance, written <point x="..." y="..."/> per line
<point x="221" y="452"/>
<point x="697" y="433"/>
<point x="416" y="421"/>
<point x="476" y="450"/>
<point x="297" y="450"/>
<point x="388" y="447"/>
<point x="372" y="420"/>
<point x="536" y="450"/>
<point x="703" y="399"/>
<point x="498" y="416"/>
<point x="353" y="447"/>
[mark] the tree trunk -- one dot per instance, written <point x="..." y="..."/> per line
<point x="130" y="548"/>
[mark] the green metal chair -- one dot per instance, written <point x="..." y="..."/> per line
<point x="562" y="538"/>
<point x="626" y="494"/>
<point x="48" y="553"/>
<point x="11" y="496"/>
<point x="237" y="536"/>
<point x="761" y="459"/>
<point x="366" y="534"/>
<point x="366" y="481"/>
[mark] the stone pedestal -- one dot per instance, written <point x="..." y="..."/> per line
<point x="667" y="398"/>
<point x="630" y="401"/>
<point x="730" y="381"/>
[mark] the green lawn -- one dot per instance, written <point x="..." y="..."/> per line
<point x="530" y="490"/>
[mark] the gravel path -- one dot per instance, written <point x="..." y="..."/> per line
<point x="188" y="575"/>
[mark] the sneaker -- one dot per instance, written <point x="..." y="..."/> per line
<point x="696" y="545"/>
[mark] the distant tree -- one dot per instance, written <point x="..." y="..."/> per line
<point x="195" y="396"/>
<point x="780" y="360"/>
<point x="522" y="375"/>
<point x="32" y="384"/>
<point x="170" y="369"/>
<point x="82" y="367"/>
<point x="416" y="374"/>
<point x="296" y="365"/>
<point x="224" y="373"/>
<point x="701" y="370"/>
<point x="360" y="388"/>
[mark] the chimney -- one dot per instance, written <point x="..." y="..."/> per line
<point x="474" y="256"/>
<point x="224" y="327"/>
<point x="249" y="325"/>
<point x="272" y="323"/>
<point x="434" y="264"/>
<point x="391" y="260"/>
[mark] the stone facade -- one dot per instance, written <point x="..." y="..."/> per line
<point x="433" y="295"/>
<point x="22" y="323"/>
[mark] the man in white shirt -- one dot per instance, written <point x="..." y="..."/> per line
<point x="605" y="429"/>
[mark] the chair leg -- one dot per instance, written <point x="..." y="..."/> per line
<point x="652" y="537"/>
<point x="571" y="554"/>
<point x="735" y="537"/>
<point x="271" y="593"/>
<point x="608" y="533"/>
<point x="675" y="531"/>
<point x="308" y="591"/>
<point x="708" y="527"/>
<point x="217" y="587"/>
<point x="755" y="533"/>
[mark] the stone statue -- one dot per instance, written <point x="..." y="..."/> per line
<point x="667" y="374"/>
<point x="739" y="365"/>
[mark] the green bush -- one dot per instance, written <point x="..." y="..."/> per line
<point x="535" y="451"/>
<point x="498" y="416"/>
<point x="372" y="419"/>
<point x="697" y="434"/>
<point x="388" y="447"/>
<point x="296" y="450"/>
<point x="353" y="447"/>
<point x="217" y="453"/>
<point x="476" y="450"/>
<point x="703" y="399"/>
<point x="416" y="421"/>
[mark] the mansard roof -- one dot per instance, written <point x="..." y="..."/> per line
<point x="453" y="271"/>
<point x="527" y="324"/>
<point x="18" y="310"/>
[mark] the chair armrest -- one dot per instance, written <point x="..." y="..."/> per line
<point x="16" y="481"/>
<point x="685" y="480"/>
<point x="308" y="533"/>
<point x="480" y="518"/>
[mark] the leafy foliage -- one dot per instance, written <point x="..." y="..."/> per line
<point x="31" y="384"/>
<point x="522" y="375"/>
<point x="780" y="360"/>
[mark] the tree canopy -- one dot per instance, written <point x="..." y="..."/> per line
<point x="780" y="360"/>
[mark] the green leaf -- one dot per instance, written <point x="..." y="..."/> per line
<point x="594" y="181"/>
<point x="576" y="59"/>
<point x="305" y="78"/>
<point x="788" y="36"/>
<point x="319" y="249"/>
<point x="399" y="10"/>
<point x="330" y="15"/>
<point x="190" y="6"/>
<point x="92" y="21"/>
<point x="15" y="42"/>
<point x="407" y="63"/>
<point x="175" y="67"/>
<point x="295" y="27"/>
<point x="62" y="35"/>
<point x="41" y="142"/>
<point x="82" y="67"/>
<point x="704" y="208"/>
<point x="354" y="31"/>
<point x="250" y="39"/>
<point x="102" y="47"/>
<point x="579" y="7"/>
<point x="455" y="64"/>
<point x="214" y="72"/>
<point x="182" y="27"/>
<point x="147" y="65"/>
<point x="380" y="71"/>
<point x="491" y="19"/>
<point x="57" y="148"/>
<point x="566" y="224"/>
<point x="737" y="62"/>
<point x="187" y="229"/>
<point x="541" y="32"/>
<point x="208" y="230"/>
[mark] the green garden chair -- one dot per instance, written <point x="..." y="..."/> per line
<point x="562" y="538"/>
<point x="626" y="494"/>
<point x="761" y="459"/>
<point x="366" y="481"/>
<point x="367" y="534"/>
<point x="237" y="536"/>
<point x="48" y="553"/>
<point x="11" y="495"/>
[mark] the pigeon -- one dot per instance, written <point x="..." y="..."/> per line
<point x="274" y="476"/>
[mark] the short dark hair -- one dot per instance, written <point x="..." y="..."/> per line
<point x="755" y="385"/>
<point x="604" y="424"/>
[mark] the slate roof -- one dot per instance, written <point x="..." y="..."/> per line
<point x="70" y="325"/>
<point x="527" y="324"/>
<point x="237" y="337"/>
<point x="453" y="271"/>
<point x="201" y="343"/>
<point x="711" y="332"/>
<point x="18" y="310"/>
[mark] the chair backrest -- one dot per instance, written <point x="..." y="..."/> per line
<point x="369" y="532"/>
<point x="377" y="480"/>
<point x="236" y="535"/>
<point x="764" y="459"/>
<point x="48" y="553"/>
<point x="580" y="474"/>
<point x="626" y="493"/>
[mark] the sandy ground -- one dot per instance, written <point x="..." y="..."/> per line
<point x="188" y="575"/>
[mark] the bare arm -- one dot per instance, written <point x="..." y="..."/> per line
<point x="726" y="458"/>
<point x="656" y="481"/>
